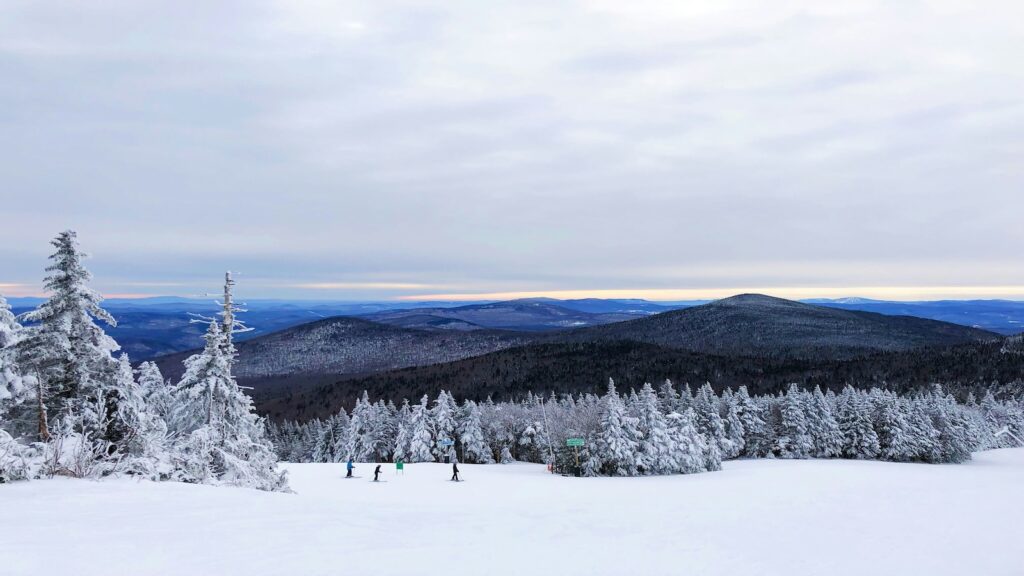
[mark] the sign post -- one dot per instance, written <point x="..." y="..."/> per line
<point x="575" y="443"/>
<point x="447" y="443"/>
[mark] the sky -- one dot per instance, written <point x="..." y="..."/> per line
<point x="460" y="150"/>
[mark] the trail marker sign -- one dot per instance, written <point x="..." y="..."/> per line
<point x="577" y="442"/>
<point x="446" y="442"/>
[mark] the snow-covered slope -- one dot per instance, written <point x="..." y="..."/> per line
<point x="755" y="517"/>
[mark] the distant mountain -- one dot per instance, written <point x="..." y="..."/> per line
<point x="617" y="306"/>
<point x="1002" y="316"/>
<point x="729" y="341"/>
<point x="530" y="315"/>
<point x="339" y="346"/>
<point x="758" y="325"/>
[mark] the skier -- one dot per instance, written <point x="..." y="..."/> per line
<point x="349" y="467"/>
<point x="376" y="473"/>
<point x="455" y="471"/>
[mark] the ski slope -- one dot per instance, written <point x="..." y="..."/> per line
<point x="755" y="517"/>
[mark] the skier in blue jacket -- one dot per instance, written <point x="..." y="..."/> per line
<point x="349" y="467"/>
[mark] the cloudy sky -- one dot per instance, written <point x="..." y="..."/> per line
<point x="372" y="150"/>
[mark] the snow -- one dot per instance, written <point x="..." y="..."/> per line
<point x="767" y="517"/>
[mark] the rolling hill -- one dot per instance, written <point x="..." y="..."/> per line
<point x="756" y="340"/>
<point x="534" y="315"/>
<point x="758" y="325"/>
<point x="342" y="345"/>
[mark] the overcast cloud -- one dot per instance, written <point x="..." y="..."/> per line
<point x="387" y="149"/>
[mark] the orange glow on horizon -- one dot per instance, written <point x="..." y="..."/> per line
<point x="894" y="293"/>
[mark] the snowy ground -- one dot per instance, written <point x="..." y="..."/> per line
<point x="755" y="517"/>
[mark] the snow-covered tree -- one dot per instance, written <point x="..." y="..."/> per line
<point x="822" y="426"/>
<point x="794" y="441"/>
<point x="708" y="420"/>
<point x="64" y="347"/>
<point x="15" y="389"/>
<point x="471" y="436"/>
<point x="443" y="425"/>
<point x="421" y="442"/>
<point x="223" y="440"/>
<point x="729" y="410"/>
<point x="403" y="433"/>
<point x="361" y="436"/>
<point x="854" y="416"/>
<point x="618" y="440"/>
<point x="656" y="455"/>
<point x="758" y="438"/>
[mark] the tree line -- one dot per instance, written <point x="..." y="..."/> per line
<point x="663" y="431"/>
<point x="70" y="406"/>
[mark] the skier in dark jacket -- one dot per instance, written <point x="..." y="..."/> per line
<point x="455" y="471"/>
<point x="376" y="473"/>
<point x="349" y="466"/>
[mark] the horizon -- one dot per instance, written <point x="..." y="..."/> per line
<point x="687" y="297"/>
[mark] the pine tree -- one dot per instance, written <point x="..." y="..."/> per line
<point x="158" y="394"/>
<point x="709" y="422"/>
<point x="443" y="425"/>
<point x="655" y="454"/>
<point x="691" y="452"/>
<point x="223" y="440"/>
<point x="826" y="436"/>
<point x="892" y="428"/>
<point x="421" y="443"/>
<point x="471" y="436"/>
<point x="859" y="438"/>
<point x="403" y="435"/>
<point x="65" y="348"/>
<point x="794" y="441"/>
<point x="954" y="440"/>
<point x="15" y="390"/>
<point x="757" y="436"/>
<point x="729" y="410"/>
<point x="361" y="431"/>
<point x="618" y="436"/>
<point x="668" y="397"/>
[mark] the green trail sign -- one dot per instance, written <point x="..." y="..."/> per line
<point x="574" y="442"/>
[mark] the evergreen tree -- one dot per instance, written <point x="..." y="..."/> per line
<point x="421" y="443"/>
<point x="656" y="455"/>
<point x="223" y="440"/>
<point x="15" y="390"/>
<point x="826" y="436"/>
<point x="859" y="438"/>
<point x="471" y="436"/>
<point x="794" y="441"/>
<point x="361" y="431"/>
<point x="709" y="422"/>
<point x="403" y="433"/>
<point x="443" y="425"/>
<point x="735" y="433"/>
<point x="757" y="436"/>
<point x="668" y="397"/>
<point x="691" y="452"/>
<point x="65" y="348"/>
<point x="618" y="436"/>
<point x="892" y="428"/>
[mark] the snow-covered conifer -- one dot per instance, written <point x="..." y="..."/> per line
<point x="65" y="348"/>
<point x="421" y="443"/>
<point x="794" y="441"/>
<point x="854" y="416"/>
<point x="222" y="439"/>
<point x="619" y="436"/>
<point x="471" y="436"/>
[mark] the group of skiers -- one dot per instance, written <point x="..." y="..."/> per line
<point x="399" y="468"/>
